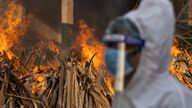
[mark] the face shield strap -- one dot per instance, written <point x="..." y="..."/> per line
<point x="135" y="40"/>
<point x="128" y="40"/>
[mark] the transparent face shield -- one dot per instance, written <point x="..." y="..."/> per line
<point x="133" y="47"/>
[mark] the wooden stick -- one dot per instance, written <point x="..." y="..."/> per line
<point x="11" y="103"/>
<point x="64" y="96"/>
<point x="60" y="99"/>
<point x="21" y="106"/>
<point x="68" y="82"/>
<point x="54" y="97"/>
<point x="12" y="95"/>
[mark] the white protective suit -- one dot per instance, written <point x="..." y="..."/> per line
<point x="152" y="86"/>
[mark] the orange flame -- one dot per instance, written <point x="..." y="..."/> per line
<point x="89" y="45"/>
<point x="109" y="83"/>
<point x="180" y="66"/>
<point x="175" y="51"/>
<point x="39" y="83"/>
<point x="11" y="27"/>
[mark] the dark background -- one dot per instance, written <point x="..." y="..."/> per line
<point x="97" y="13"/>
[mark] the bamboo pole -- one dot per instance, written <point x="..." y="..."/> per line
<point x="67" y="14"/>
<point x="67" y="11"/>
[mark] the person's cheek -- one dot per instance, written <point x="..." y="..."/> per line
<point x="135" y="60"/>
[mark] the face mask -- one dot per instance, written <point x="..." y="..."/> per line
<point x="111" y="57"/>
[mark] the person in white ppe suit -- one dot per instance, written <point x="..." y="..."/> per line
<point x="151" y="86"/>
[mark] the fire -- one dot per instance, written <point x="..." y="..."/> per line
<point x="181" y="66"/>
<point x="11" y="27"/>
<point x="41" y="72"/>
<point x="174" y="71"/>
<point x="39" y="83"/>
<point x="53" y="47"/>
<point x="109" y="83"/>
<point x="90" y="46"/>
<point x="175" y="51"/>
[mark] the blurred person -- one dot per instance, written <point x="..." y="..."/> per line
<point x="148" y="33"/>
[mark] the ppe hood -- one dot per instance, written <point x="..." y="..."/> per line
<point x="156" y="21"/>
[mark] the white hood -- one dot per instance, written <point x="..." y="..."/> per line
<point x="156" y="21"/>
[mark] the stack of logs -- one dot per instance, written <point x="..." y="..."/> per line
<point x="71" y="84"/>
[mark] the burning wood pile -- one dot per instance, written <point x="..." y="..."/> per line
<point x="45" y="76"/>
<point x="181" y="64"/>
<point x="68" y="85"/>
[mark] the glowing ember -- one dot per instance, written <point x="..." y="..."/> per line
<point x="90" y="46"/>
<point x="39" y="83"/>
